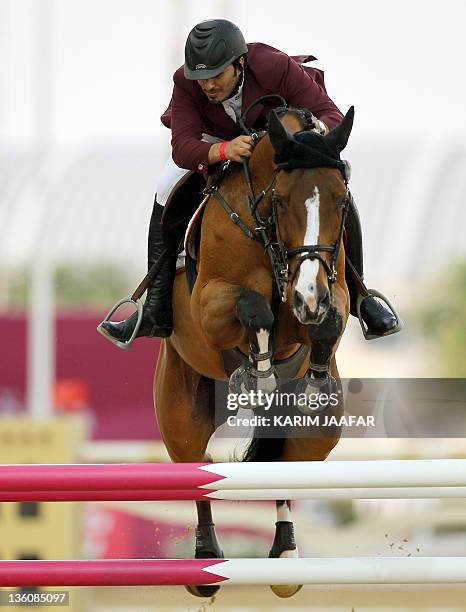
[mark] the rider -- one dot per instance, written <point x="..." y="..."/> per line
<point x="221" y="76"/>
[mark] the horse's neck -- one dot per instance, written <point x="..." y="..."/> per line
<point x="262" y="165"/>
<point x="261" y="162"/>
<point x="261" y="168"/>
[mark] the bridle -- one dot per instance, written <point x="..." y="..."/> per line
<point x="313" y="251"/>
<point x="266" y="229"/>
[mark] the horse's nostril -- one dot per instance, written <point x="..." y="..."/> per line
<point x="325" y="301"/>
<point x="298" y="299"/>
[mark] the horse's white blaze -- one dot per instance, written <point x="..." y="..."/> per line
<point x="307" y="277"/>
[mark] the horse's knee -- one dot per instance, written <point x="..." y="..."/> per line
<point x="254" y="311"/>
<point x="216" y="315"/>
<point x="219" y="338"/>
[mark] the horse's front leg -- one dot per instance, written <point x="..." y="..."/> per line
<point x="255" y="314"/>
<point x="324" y="339"/>
<point x="233" y="316"/>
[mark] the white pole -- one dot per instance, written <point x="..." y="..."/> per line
<point x="337" y="474"/>
<point x="356" y="570"/>
<point x="126" y="572"/>
<point x="41" y="335"/>
<point x="346" y="494"/>
<point x="5" y="101"/>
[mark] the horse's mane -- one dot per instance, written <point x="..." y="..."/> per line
<point x="303" y="115"/>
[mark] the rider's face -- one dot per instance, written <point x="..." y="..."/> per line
<point x="220" y="87"/>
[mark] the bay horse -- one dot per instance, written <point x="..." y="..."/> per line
<point x="301" y="206"/>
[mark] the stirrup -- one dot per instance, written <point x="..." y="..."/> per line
<point x="138" y="307"/>
<point x="365" y="329"/>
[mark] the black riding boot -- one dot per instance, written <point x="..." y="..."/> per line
<point x="157" y="317"/>
<point x="376" y="315"/>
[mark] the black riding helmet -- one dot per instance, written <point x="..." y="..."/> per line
<point x="212" y="45"/>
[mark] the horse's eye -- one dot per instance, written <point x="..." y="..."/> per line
<point x="343" y="202"/>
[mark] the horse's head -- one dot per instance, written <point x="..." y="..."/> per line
<point x="311" y="193"/>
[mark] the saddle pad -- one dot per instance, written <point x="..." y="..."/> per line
<point x="190" y="236"/>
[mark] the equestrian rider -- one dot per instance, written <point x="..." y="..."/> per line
<point x="221" y="76"/>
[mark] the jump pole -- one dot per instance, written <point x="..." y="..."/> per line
<point x="167" y="572"/>
<point x="235" y="495"/>
<point x="234" y="476"/>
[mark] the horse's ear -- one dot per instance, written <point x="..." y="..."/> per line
<point x="278" y="134"/>
<point x="337" y="139"/>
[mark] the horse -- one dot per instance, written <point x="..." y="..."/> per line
<point x="286" y="241"/>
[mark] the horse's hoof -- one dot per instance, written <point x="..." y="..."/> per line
<point x="203" y="591"/>
<point x="286" y="590"/>
<point x="207" y="547"/>
<point x="284" y="546"/>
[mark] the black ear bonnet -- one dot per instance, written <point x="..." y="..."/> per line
<point x="308" y="150"/>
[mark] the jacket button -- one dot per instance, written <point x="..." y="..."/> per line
<point x="200" y="167"/>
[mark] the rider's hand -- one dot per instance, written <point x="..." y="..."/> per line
<point x="238" y="148"/>
<point x="319" y="126"/>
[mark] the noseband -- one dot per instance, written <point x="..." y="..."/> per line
<point x="313" y="251"/>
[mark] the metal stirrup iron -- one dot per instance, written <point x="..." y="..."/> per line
<point x="135" y="300"/>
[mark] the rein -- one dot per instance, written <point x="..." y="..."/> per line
<point x="266" y="229"/>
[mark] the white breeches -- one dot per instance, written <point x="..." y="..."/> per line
<point x="172" y="173"/>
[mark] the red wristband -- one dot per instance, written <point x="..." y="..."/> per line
<point x="222" y="153"/>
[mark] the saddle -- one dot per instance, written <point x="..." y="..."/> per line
<point x="184" y="200"/>
<point x="182" y="217"/>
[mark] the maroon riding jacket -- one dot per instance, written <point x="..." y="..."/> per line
<point x="268" y="71"/>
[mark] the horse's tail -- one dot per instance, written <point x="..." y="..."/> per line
<point x="264" y="449"/>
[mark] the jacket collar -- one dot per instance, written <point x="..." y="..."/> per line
<point x="251" y="91"/>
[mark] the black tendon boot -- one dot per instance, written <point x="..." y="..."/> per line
<point x="157" y="317"/>
<point x="375" y="313"/>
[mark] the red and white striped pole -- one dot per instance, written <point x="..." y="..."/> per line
<point x="158" y="572"/>
<point x="211" y="477"/>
